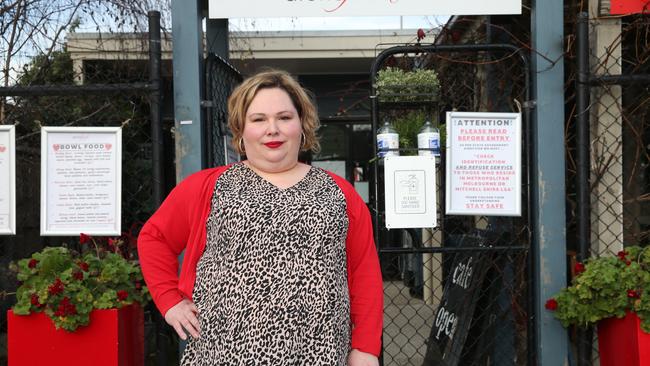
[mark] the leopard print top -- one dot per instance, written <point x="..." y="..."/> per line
<point x="271" y="286"/>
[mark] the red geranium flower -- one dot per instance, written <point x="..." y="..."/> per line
<point x="579" y="268"/>
<point x="113" y="244"/>
<point x="32" y="263"/>
<point x="122" y="295"/>
<point x="551" y="304"/>
<point x="621" y="255"/>
<point x="78" y="275"/>
<point x="66" y="308"/>
<point x="83" y="238"/>
<point x="84" y="266"/>
<point x="421" y="34"/>
<point x="632" y="294"/>
<point x="56" y="287"/>
<point x="34" y="300"/>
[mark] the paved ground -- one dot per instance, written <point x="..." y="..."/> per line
<point x="407" y="323"/>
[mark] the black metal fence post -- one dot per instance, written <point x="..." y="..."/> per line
<point x="157" y="153"/>
<point x="582" y="173"/>
<point x="582" y="137"/>
<point x="156" y="105"/>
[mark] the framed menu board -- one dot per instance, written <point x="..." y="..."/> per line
<point x="81" y="180"/>
<point x="7" y="180"/>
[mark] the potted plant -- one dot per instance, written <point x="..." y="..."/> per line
<point x="417" y="92"/>
<point x="70" y="299"/>
<point x="612" y="292"/>
<point x="397" y="85"/>
<point x="408" y="126"/>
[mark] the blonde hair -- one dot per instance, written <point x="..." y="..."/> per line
<point x="243" y="95"/>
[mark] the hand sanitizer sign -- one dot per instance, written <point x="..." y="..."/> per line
<point x="410" y="186"/>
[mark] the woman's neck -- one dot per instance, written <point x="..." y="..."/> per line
<point x="282" y="177"/>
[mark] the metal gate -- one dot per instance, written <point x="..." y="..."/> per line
<point x="494" y="325"/>
<point x="608" y="144"/>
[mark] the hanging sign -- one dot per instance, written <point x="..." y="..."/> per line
<point x="410" y="191"/>
<point x="483" y="171"/>
<point x="7" y="180"/>
<point x="322" y="8"/>
<point x="81" y="180"/>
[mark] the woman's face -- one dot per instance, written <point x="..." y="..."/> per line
<point x="272" y="131"/>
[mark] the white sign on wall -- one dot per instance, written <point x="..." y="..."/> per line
<point x="7" y="180"/>
<point x="322" y="8"/>
<point x="410" y="191"/>
<point x="81" y="180"/>
<point x="483" y="172"/>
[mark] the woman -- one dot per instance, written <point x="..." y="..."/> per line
<point x="279" y="266"/>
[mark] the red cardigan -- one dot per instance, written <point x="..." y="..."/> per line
<point x="180" y="224"/>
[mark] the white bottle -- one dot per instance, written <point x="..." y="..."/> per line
<point x="387" y="138"/>
<point x="429" y="138"/>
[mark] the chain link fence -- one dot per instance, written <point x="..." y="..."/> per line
<point x="616" y="154"/>
<point x="114" y="93"/>
<point x="428" y="320"/>
<point x="221" y="78"/>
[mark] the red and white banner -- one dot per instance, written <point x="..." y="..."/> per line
<point x="323" y="8"/>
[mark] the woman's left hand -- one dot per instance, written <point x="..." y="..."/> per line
<point x="358" y="358"/>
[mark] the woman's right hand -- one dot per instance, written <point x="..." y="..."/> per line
<point x="182" y="317"/>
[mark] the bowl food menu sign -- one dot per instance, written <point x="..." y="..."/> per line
<point x="7" y="180"/>
<point x="81" y="180"/>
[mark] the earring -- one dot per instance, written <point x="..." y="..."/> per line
<point x="304" y="140"/>
<point x="241" y="147"/>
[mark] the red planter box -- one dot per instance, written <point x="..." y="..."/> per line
<point x="113" y="337"/>
<point x="621" y="342"/>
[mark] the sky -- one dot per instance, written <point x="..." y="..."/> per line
<point x="336" y="23"/>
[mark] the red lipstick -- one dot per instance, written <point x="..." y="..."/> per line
<point x="273" y="144"/>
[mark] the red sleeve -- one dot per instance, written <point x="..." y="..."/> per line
<point x="364" y="275"/>
<point x="167" y="233"/>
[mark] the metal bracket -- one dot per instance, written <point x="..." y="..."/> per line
<point x="207" y="104"/>
<point x="530" y="104"/>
